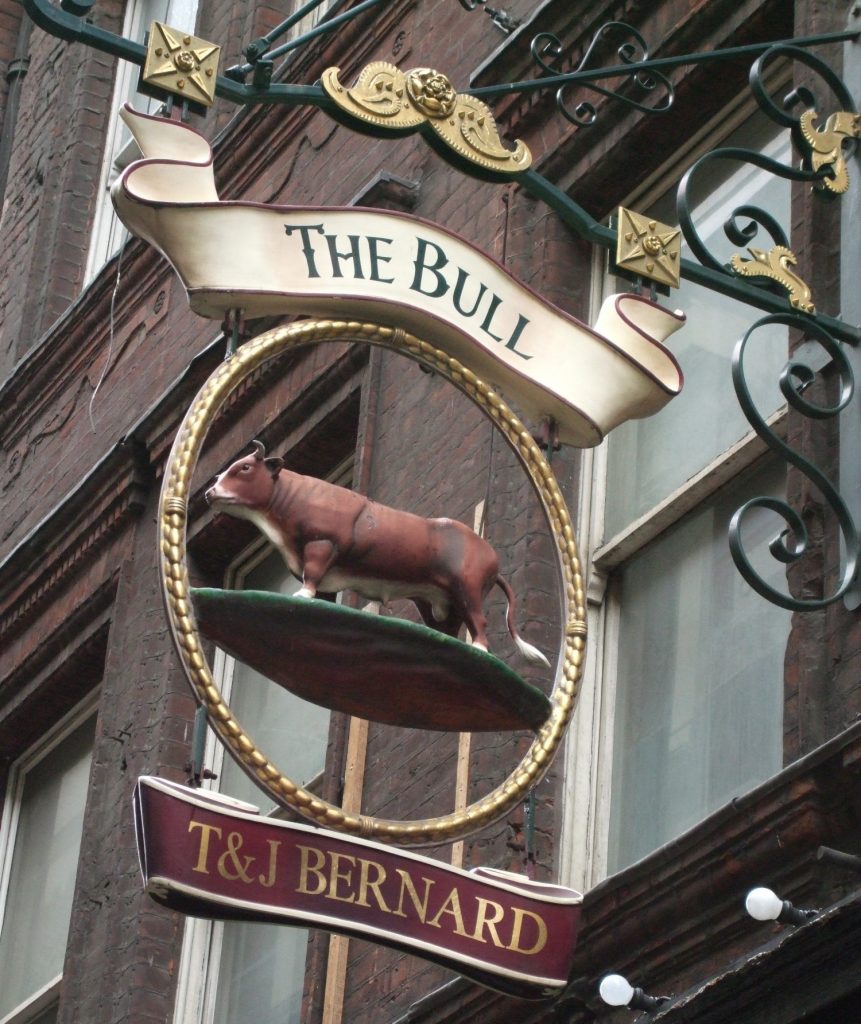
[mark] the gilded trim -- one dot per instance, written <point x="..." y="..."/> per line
<point x="775" y="265"/>
<point x="175" y="584"/>
<point x="825" y="146"/>
<point x="387" y="97"/>
<point x="181" y="64"/>
<point x="648" y="248"/>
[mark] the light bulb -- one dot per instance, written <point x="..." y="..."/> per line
<point x="763" y="905"/>
<point x="615" y="990"/>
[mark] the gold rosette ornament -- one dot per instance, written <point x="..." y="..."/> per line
<point x="431" y="92"/>
<point x="391" y="99"/>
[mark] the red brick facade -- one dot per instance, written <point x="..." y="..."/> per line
<point x="80" y="602"/>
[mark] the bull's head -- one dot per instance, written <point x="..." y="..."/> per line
<point x="274" y="463"/>
<point x="247" y="484"/>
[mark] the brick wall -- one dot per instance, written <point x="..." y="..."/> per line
<point x="82" y="588"/>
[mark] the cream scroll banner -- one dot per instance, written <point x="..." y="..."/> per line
<point x="397" y="270"/>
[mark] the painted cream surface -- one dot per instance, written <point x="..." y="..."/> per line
<point x="238" y="255"/>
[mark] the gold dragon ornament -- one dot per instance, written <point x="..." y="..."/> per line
<point x="776" y="265"/>
<point x="825" y="146"/>
<point x="387" y="97"/>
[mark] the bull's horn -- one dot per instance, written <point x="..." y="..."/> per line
<point x="259" y="450"/>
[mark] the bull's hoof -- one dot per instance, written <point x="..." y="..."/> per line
<point x="383" y="669"/>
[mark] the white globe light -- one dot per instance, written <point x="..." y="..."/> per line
<point x="763" y="905"/>
<point x="616" y="990"/>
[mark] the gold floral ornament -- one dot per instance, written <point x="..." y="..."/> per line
<point x="182" y="64"/>
<point x="648" y="248"/>
<point x="825" y="146"/>
<point x="389" y="98"/>
<point x="775" y="265"/>
<point x="431" y="92"/>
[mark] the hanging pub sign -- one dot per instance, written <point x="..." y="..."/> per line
<point x="412" y="287"/>
<point x="415" y="288"/>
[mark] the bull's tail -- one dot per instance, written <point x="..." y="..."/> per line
<point x="527" y="650"/>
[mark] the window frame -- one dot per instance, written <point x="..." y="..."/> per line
<point x="107" y="233"/>
<point x="311" y="20"/>
<point x="44" y="997"/>
<point x="588" y="773"/>
<point x="200" y="958"/>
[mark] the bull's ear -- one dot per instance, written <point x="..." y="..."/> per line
<point x="274" y="464"/>
<point x="259" y="450"/>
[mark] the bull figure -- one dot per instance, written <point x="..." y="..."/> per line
<point x="332" y="538"/>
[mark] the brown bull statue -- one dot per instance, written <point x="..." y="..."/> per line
<point x="332" y="539"/>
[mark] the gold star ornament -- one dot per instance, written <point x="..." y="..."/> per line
<point x="182" y="64"/>
<point x="648" y="248"/>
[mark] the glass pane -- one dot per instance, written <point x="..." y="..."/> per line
<point x="261" y="974"/>
<point x="44" y="864"/>
<point x="261" y="971"/>
<point x="699" y="703"/>
<point x="288" y="729"/>
<point x="649" y="459"/>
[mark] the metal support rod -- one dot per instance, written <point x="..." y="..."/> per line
<point x="653" y="64"/>
<point x="262" y="44"/>
<point x="588" y="228"/>
<point x="232" y="328"/>
<point x="73" y="29"/>
<point x="318" y="30"/>
<point x="838" y="857"/>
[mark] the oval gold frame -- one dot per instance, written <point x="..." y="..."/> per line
<point x="172" y="518"/>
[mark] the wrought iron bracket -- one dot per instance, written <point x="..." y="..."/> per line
<point x="793" y="542"/>
<point x="264" y="88"/>
<point x="828" y="143"/>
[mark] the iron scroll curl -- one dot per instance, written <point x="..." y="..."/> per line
<point x="736" y="232"/>
<point x="793" y="542"/>
<point x="783" y="115"/>
<point x="631" y="52"/>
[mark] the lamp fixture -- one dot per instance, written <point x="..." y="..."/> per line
<point x="764" y="905"/>
<point x="618" y="991"/>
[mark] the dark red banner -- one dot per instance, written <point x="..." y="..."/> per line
<point x="204" y="857"/>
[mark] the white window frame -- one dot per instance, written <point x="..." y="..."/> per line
<point x="310" y="20"/>
<point x="48" y="994"/>
<point x="197" y="985"/>
<point x="589" y="748"/>
<point x="108" y="233"/>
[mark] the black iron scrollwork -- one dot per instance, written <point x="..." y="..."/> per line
<point x="824" y="147"/>
<point x="823" y="165"/>
<point x="755" y="217"/>
<point x="630" y="52"/>
<point x="793" y="542"/>
<point x="801" y="95"/>
<point x="823" y="168"/>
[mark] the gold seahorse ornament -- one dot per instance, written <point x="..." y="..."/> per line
<point x="775" y="265"/>
<point x="826" y="146"/>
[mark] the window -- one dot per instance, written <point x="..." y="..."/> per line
<point x="231" y="970"/>
<point x="311" y="19"/>
<point x="120" y="149"/>
<point x="685" y="673"/>
<point x="40" y="837"/>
